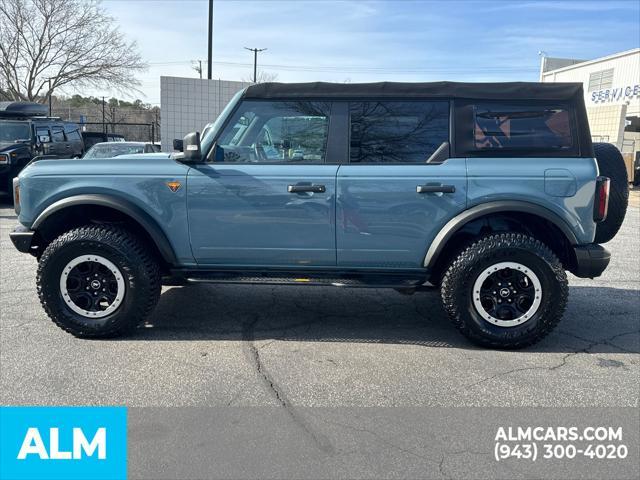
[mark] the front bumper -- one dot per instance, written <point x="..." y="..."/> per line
<point x="22" y="238"/>
<point x="591" y="260"/>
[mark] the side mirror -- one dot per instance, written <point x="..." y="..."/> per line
<point x="191" y="148"/>
<point x="177" y="145"/>
<point x="44" y="139"/>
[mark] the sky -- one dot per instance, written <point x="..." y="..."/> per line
<point x="361" y="41"/>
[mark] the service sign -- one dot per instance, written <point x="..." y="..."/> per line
<point x="615" y="95"/>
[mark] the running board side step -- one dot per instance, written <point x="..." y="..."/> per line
<point x="315" y="279"/>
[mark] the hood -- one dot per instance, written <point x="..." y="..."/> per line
<point x="149" y="155"/>
<point x="5" y="146"/>
<point x="145" y="164"/>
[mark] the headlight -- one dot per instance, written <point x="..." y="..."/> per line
<point x="4" y="158"/>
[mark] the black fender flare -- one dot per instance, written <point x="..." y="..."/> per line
<point x="131" y="210"/>
<point x="457" y="222"/>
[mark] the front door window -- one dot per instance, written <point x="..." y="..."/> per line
<point x="276" y="132"/>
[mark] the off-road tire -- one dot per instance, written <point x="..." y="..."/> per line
<point x="611" y="164"/>
<point x="457" y="290"/>
<point x="131" y="256"/>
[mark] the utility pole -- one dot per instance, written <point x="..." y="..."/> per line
<point x="197" y="66"/>
<point x="210" y="62"/>
<point x="543" y="60"/>
<point x="157" y="124"/>
<point x="255" y="61"/>
<point x="112" y="113"/>
<point x="49" y="96"/>
<point x="103" y="124"/>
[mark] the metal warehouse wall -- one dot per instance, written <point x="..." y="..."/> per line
<point x="188" y="104"/>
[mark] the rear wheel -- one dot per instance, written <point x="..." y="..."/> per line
<point x="505" y="291"/>
<point x="97" y="281"/>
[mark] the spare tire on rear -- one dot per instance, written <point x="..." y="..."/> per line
<point x="611" y="164"/>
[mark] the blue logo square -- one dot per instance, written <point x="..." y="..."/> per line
<point x="56" y="443"/>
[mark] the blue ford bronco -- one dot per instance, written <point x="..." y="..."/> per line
<point x="489" y="192"/>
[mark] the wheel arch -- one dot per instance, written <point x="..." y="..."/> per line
<point x="79" y="208"/>
<point x="524" y="216"/>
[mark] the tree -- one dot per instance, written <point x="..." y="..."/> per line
<point x="262" y="77"/>
<point x="48" y="44"/>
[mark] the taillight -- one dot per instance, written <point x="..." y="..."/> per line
<point x="601" y="202"/>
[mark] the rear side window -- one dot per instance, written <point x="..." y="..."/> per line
<point x="522" y="127"/>
<point x="397" y="132"/>
<point x="58" y="134"/>
<point x="74" y="135"/>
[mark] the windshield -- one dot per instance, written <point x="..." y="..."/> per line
<point x="15" y="132"/>
<point x="114" y="149"/>
<point x="211" y="130"/>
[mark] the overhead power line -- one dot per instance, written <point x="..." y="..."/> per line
<point x="363" y="68"/>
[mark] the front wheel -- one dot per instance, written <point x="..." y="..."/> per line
<point x="97" y="281"/>
<point x="505" y="291"/>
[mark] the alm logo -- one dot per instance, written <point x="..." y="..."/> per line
<point x="57" y="443"/>
<point x="33" y="445"/>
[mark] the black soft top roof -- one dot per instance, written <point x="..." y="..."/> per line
<point x="487" y="91"/>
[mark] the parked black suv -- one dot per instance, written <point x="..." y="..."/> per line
<point x="26" y="132"/>
<point x="91" y="138"/>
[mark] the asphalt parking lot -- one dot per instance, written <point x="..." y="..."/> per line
<point x="257" y="346"/>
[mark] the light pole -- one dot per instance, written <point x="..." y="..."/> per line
<point x="210" y="62"/>
<point x="255" y="61"/>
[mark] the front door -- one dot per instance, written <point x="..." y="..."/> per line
<point x="268" y="198"/>
<point x="391" y="202"/>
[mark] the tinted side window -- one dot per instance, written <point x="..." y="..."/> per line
<point x="74" y="136"/>
<point x="276" y="132"/>
<point x="500" y="126"/>
<point x="397" y="132"/>
<point x="57" y="134"/>
<point x="42" y="132"/>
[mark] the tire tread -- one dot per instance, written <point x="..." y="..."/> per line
<point x="125" y="242"/>
<point x="459" y="270"/>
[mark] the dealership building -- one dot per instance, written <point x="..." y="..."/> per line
<point x="611" y="94"/>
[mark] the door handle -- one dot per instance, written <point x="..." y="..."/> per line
<point x="436" y="189"/>
<point x="306" y="188"/>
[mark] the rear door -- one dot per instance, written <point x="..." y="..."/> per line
<point x="74" y="140"/>
<point x="59" y="145"/>
<point x="268" y="196"/>
<point x="390" y="201"/>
